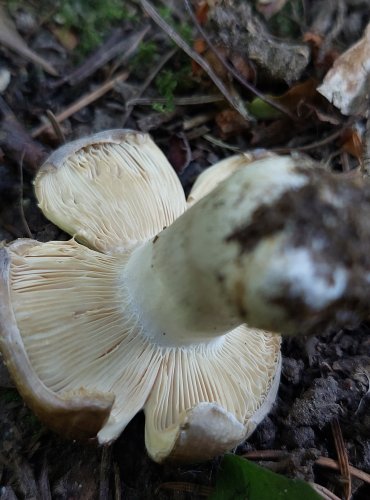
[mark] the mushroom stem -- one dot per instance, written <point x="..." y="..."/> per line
<point x="281" y="245"/>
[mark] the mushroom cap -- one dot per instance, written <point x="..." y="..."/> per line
<point x="85" y="410"/>
<point x="72" y="337"/>
<point x="110" y="190"/>
<point x="210" y="178"/>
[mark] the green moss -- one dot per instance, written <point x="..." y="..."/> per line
<point x="166" y="82"/>
<point x="91" y="19"/>
<point x="144" y="56"/>
<point x="170" y="80"/>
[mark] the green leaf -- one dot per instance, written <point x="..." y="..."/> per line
<point x="262" y="110"/>
<point x="241" y="479"/>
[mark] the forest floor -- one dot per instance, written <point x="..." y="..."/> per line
<point x="117" y="68"/>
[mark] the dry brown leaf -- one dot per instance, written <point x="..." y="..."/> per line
<point x="299" y="100"/>
<point x="201" y="12"/>
<point x="352" y="143"/>
<point x="65" y="36"/>
<point x="230" y="123"/>
<point x="243" y="66"/>
<point x="297" y="95"/>
<point x="347" y="83"/>
<point x="10" y="38"/>
<point x="325" y="60"/>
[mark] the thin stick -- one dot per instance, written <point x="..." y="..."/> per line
<point x="366" y="150"/>
<point x="196" y="121"/>
<point x="332" y="464"/>
<point x="145" y="85"/>
<point x="118" y="44"/>
<point x="179" y="101"/>
<point x="21" y="209"/>
<point x="324" y="492"/>
<point x="221" y="144"/>
<point x="265" y="454"/>
<point x="56" y="127"/>
<point x="234" y="101"/>
<point x="312" y="145"/>
<point x="117" y="482"/>
<point x="322" y="461"/>
<point x="15" y="141"/>
<point x="9" y="37"/>
<point x="232" y="70"/>
<point x="342" y="458"/>
<point x="83" y="102"/>
<point x="105" y="467"/>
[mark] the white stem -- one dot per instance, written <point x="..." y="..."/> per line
<point x="250" y="251"/>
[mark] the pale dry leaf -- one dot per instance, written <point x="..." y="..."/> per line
<point x="10" y="38"/>
<point x="347" y="83"/>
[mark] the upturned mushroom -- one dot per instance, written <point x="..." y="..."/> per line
<point x="147" y="306"/>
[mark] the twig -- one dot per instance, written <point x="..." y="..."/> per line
<point x="221" y="144"/>
<point x="10" y="37"/>
<point x="16" y="142"/>
<point x="324" y="492"/>
<point x="145" y="85"/>
<point x="105" y="465"/>
<point x="265" y="454"/>
<point x="233" y="101"/>
<point x="21" y="209"/>
<point x="312" y="145"/>
<point x="197" y="120"/>
<point x="342" y="458"/>
<point x="232" y="70"/>
<point x="117" y="482"/>
<point x="366" y="151"/>
<point x="179" y="101"/>
<point x="133" y="43"/>
<point x="44" y="484"/>
<point x="116" y="44"/>
<point x="83" y="102"/>
<point x="335" y="28"/>
<point x="56" y="127"/>
<point x="332" y="464"/>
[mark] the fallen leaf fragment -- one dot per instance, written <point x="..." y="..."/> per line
<point x="10" y="38"/>
<point x="347" y="83"/>
<point x="294" y="99"/>
<point x="230" y="123"/>
<point x="352" y="143"/>
<point x="65" y="36"/>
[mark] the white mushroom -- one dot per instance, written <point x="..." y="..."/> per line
<point x="150" y="311"/>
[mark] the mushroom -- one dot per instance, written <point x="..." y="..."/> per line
<point x="147" y="306"/>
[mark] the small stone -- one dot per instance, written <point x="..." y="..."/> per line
<point x="5" y="78"/>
